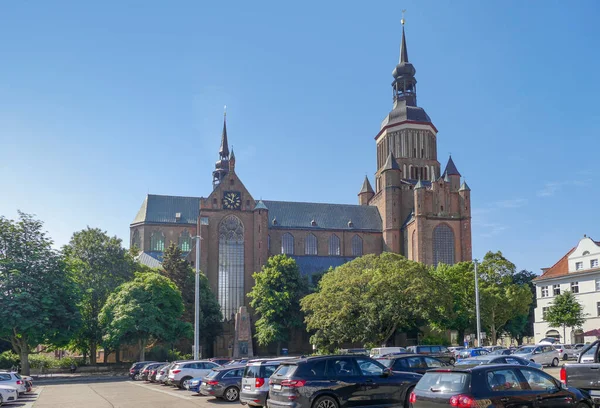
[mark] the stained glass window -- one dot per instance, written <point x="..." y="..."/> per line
<point x="334" y="245"/>
<point x="185" y="241"/>
<point x="157" y="241"/>
<point x="310" y="245"/>
<point x="443" y="245"/>
<point x="287" y="244"/>
<point x="135" y="240"/>
<point x="357" y="246"/>
<point x="231" y="265"/>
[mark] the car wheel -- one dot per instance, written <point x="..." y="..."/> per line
<point x="325" y="402"/>
<point x="136" y="377"/>
<point x="582" y="405"/>
<point x="231" y="394"/>
<point x="554" y="362"/>
<point x="565" y="357"/>
<point x="183" y="382"/>
<point x="407" y="398"/>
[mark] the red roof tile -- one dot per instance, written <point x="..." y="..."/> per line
<point x="560" y="268"/>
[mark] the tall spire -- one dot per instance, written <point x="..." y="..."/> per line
<point x="403" y="49"/>
<point x="224" y="150"/>
<point x="405" y="83"/>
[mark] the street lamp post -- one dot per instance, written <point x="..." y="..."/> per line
<point x="197" y="300"/>
<point x="477" y="306"/>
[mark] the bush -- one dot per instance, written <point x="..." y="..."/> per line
<point x="435" y="341"/>
<point x="41" y="361"/>
<point x="66" y="362"/>
<point x="8" y="359"/>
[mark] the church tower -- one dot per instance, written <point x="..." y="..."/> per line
<point x="222" y="165"/>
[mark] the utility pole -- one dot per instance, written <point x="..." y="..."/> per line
<point x="477" y="305"/>
<point x="197" y="300"/>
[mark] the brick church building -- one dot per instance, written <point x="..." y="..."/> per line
<point x="415" y="210"/>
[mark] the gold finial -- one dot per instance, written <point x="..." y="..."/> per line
<point x="225" y="110"/>
<point x="403" y="20"/>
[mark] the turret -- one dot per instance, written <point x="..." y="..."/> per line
<point x="366" y="192"/>
<point x="222" y="165"/>
<point x="390" y="172"/>
<point x="419" y="193"/>
<point x="465" y="198"/>
<point x="232" y="161"/>
<point x="452" y="175"/>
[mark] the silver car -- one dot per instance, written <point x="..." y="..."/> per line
<point x="544" y="354"/>
<point x="565" y="351"/>
<point x="495" y="359"/>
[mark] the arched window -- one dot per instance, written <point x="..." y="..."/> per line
<point x="185" y="241"/>
<point x="334" y="245"/>
<point x="413" y="241"/>
<point x="287" y="244"/>
<point x="310" y="245"/>
<point x="443" y="245"/>
<point x="231" y="265"/>
<point x="135" y="239"/>
<point x="357" y="246"/>
<point x="268" y="243"/>
<point x="157" y="241"/>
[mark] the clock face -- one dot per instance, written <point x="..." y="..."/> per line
<point x="232" y="200"/>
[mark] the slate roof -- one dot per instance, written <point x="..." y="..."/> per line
<point x="313" y="264"/>
<point x="160" y="209"/>
<point x="390" y="163"/>
<point x="403" y="112"/>
<point x="366" y="187"/>
<point x="451" y="169"/>
<point x="327" y="216"/>
<point x="151" y="259"/>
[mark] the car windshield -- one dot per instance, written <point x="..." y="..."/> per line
<point x="444" y="382"/>
<point x="213" y="374"/>
<point x="525" y="350"/>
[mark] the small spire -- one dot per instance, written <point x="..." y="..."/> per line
<point x="224" y="150"/>
<point x="419" y="185"/>
<point x="232" y="155"/>
<point x="464" y="187"/>
<point x="366" y="187"/>
<point x="403" y="48"/>
<point x="451" y="169"/>
<point x="390" y="163"/>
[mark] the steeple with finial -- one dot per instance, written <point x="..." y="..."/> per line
<point x="405" y="83"/>
<point x="222" y="165"/>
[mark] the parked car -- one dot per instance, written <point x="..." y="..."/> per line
<point x="13" y="379"/>
<point x="441" y="352"/>
<point x="146" y="370"/>
<point x="223" y="382"/>
<point x="220" y="361"/>
<point x="472" y="352"/>
<point x="565" y="351"/>
<point x="412" y="363"/>
<point x="495" y="386"/>
<point x="182" y="372"/>
<point x="501" y="352"/>
<point x="382" y="351"/>
<point x="549" y="340"/>
<point x="492" y="348"/>
<point x="355" y="351"/>
<point x="134" y="371"/>
<point x="255" y="382"/>
<point x="338" y="381"/>
<point x="585" y="374"/>
<point x="154" y="372"/>
<point x="163" y="373"/>
<point x="8" y="394"/>
<point x="544" y="354"/>
<point x="495" y="359"/>
<point x="238" y="361"/>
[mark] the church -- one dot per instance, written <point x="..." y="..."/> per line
<point x="415" y="210"/>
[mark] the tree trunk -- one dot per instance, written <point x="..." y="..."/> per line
<point x="106" y="354"/>
<point x="84" y="357"/>
<point x="93" y="351"/>
<point x="278" y="348"/>
<point x="117" y="355"/>
<point x="461" y="336"/>
<point x="142" y="349"/>
<point x="24" y="361"/>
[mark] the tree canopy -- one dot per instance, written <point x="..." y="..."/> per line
<point x="565" y="311"/>
<point x="38" y="295"/>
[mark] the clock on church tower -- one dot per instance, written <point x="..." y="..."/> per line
<point x="232" y="200"/>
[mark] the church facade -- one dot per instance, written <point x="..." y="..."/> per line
<point x="415" y="210"/>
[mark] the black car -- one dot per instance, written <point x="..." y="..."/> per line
<point x="134" y="371"/>
<point x="507" y="386"/>
<point x="413" y="363"/>
<point x="146" y="371"/>
<point x="223" y="382"/>
<point x="338" y="381"/>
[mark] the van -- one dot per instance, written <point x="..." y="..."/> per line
<point x="383" y="351"/>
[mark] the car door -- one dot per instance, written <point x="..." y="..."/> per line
<point x="547" y="391"/>
<point x="345" y="378"/>
<point x="506" y="388"/>
<point x="380" y="389"/>
<point x="550" y="354"/>
<point x="409" y="364"/>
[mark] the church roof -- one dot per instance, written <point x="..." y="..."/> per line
<point x="260" y="205"/>
<point x="403" y="112"/>
<point x="312" y="264"/>
<point x="451" y="169"/>
<point x="326" y="216"/>
<point x="390" y="163"/>
<point x="160" y="209"/>
<point x="151" y="259"/>
<point x="366" y="187"/>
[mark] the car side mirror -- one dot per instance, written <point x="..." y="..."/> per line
<point x="386" y="372"/>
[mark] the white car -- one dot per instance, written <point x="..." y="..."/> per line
<point x="565" y="351"/>
<point x="14" y="380"/>
<point x="182" y="372"/>
<point x="544" y="354"/>
<point x="8" y="394"/>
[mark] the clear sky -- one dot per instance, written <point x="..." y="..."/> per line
<point x="103" y="102"/>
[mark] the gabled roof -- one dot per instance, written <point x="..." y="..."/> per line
<point x="451" y="169"/>
<point x="560" y="268"/>
<point x="159" y="209"/>
<point x="326" y="216"/>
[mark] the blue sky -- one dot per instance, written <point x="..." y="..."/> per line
<point x="104" y="102"/>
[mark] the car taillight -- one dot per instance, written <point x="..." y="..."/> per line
<point x="175" y="371"/>
<point x="413" y="398"/>
<point x="293" y="383"/>
<point x="212" y="382"/>
<point x="563" y="375"/>
<point x="19" y="382"/>
<point x="462" y="401"/>
<point x="259" y="382"/>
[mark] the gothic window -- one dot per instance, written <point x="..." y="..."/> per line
<point x="231" y="265"/>
<point x="414" y="246"/>
<point x="185" y="241"/>
<point x="287" y="244"/>
<point x="334" y="245"/>
<point x="157" y="241"/>
<point x="135" y="240"/>
<point x="357" y="246"/>
<point x="310" y="245"/>
<point x="443" y="245"/>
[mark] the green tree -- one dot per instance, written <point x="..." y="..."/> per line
<point x="522" y="325"/>
<point x="144" y="309"/>
<point x="368" y="299"/>
<point x="101" y="264"/>
<point x="275" y="297"/>
<point x="565" y="311"/>
<point x="38" y="295"/>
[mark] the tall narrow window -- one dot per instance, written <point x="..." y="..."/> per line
<point x="556" y="290"/>
<point x="231" y="265"/>
<point x="334" y="245"/>
<point x="310" y="245"/>
<point x="185" y="241"/>
<point x="357" y="246"/>
<point x="157" y="241"/>
<point x="268" y="243"/>
<point x="443" y="245"/>
<point x="135" y="240"/>
<point x="575" y="287"/>
<point x="414" y="246"/>
<point x="287" y="244"/>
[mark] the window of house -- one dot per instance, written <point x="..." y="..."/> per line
<point x="578" y="266"/>
<point x="157" y="241"/>
<point x="575" y="287"/>
<point x="598" y="284"/>
<point x="544" y="312"/>
<point x="443" y="245"/>
<point x="357" y="246"/>
<point x="544" y="291"/>
<point x="556" y="290"/>
<point x="334" y="245"/>
<point x="287" y="244"/>
<point x="185" y="241"/>
<point x="594" y="263"/>
<point x="310" y="245"/>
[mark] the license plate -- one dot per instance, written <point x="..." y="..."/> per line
<point x="277" y="387"/>
<point x="246" y="387"/>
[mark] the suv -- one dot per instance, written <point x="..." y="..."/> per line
<point x="255" y="382"/>
<point x="412" y="363"/>
<point x="339" y="380"/>
<point x="182" y="372"/>
<point x="544" y="354"/>
<point x="441" y="352"/>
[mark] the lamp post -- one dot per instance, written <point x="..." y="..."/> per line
<point x="197" y="300"/>
<point x="478" y="317"/>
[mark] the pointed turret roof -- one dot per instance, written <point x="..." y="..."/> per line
<point x="419" y="185"/>
<point x="224" y="150"/>
<point x="366" y="187"/>
<point x="390" y="163"/>
<point x="260" y="205"/>
<point x="464" y="187"/>
<point x="451" y="169"/>
<point x="403" y="49"/>
<point x="232" y="155"/>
